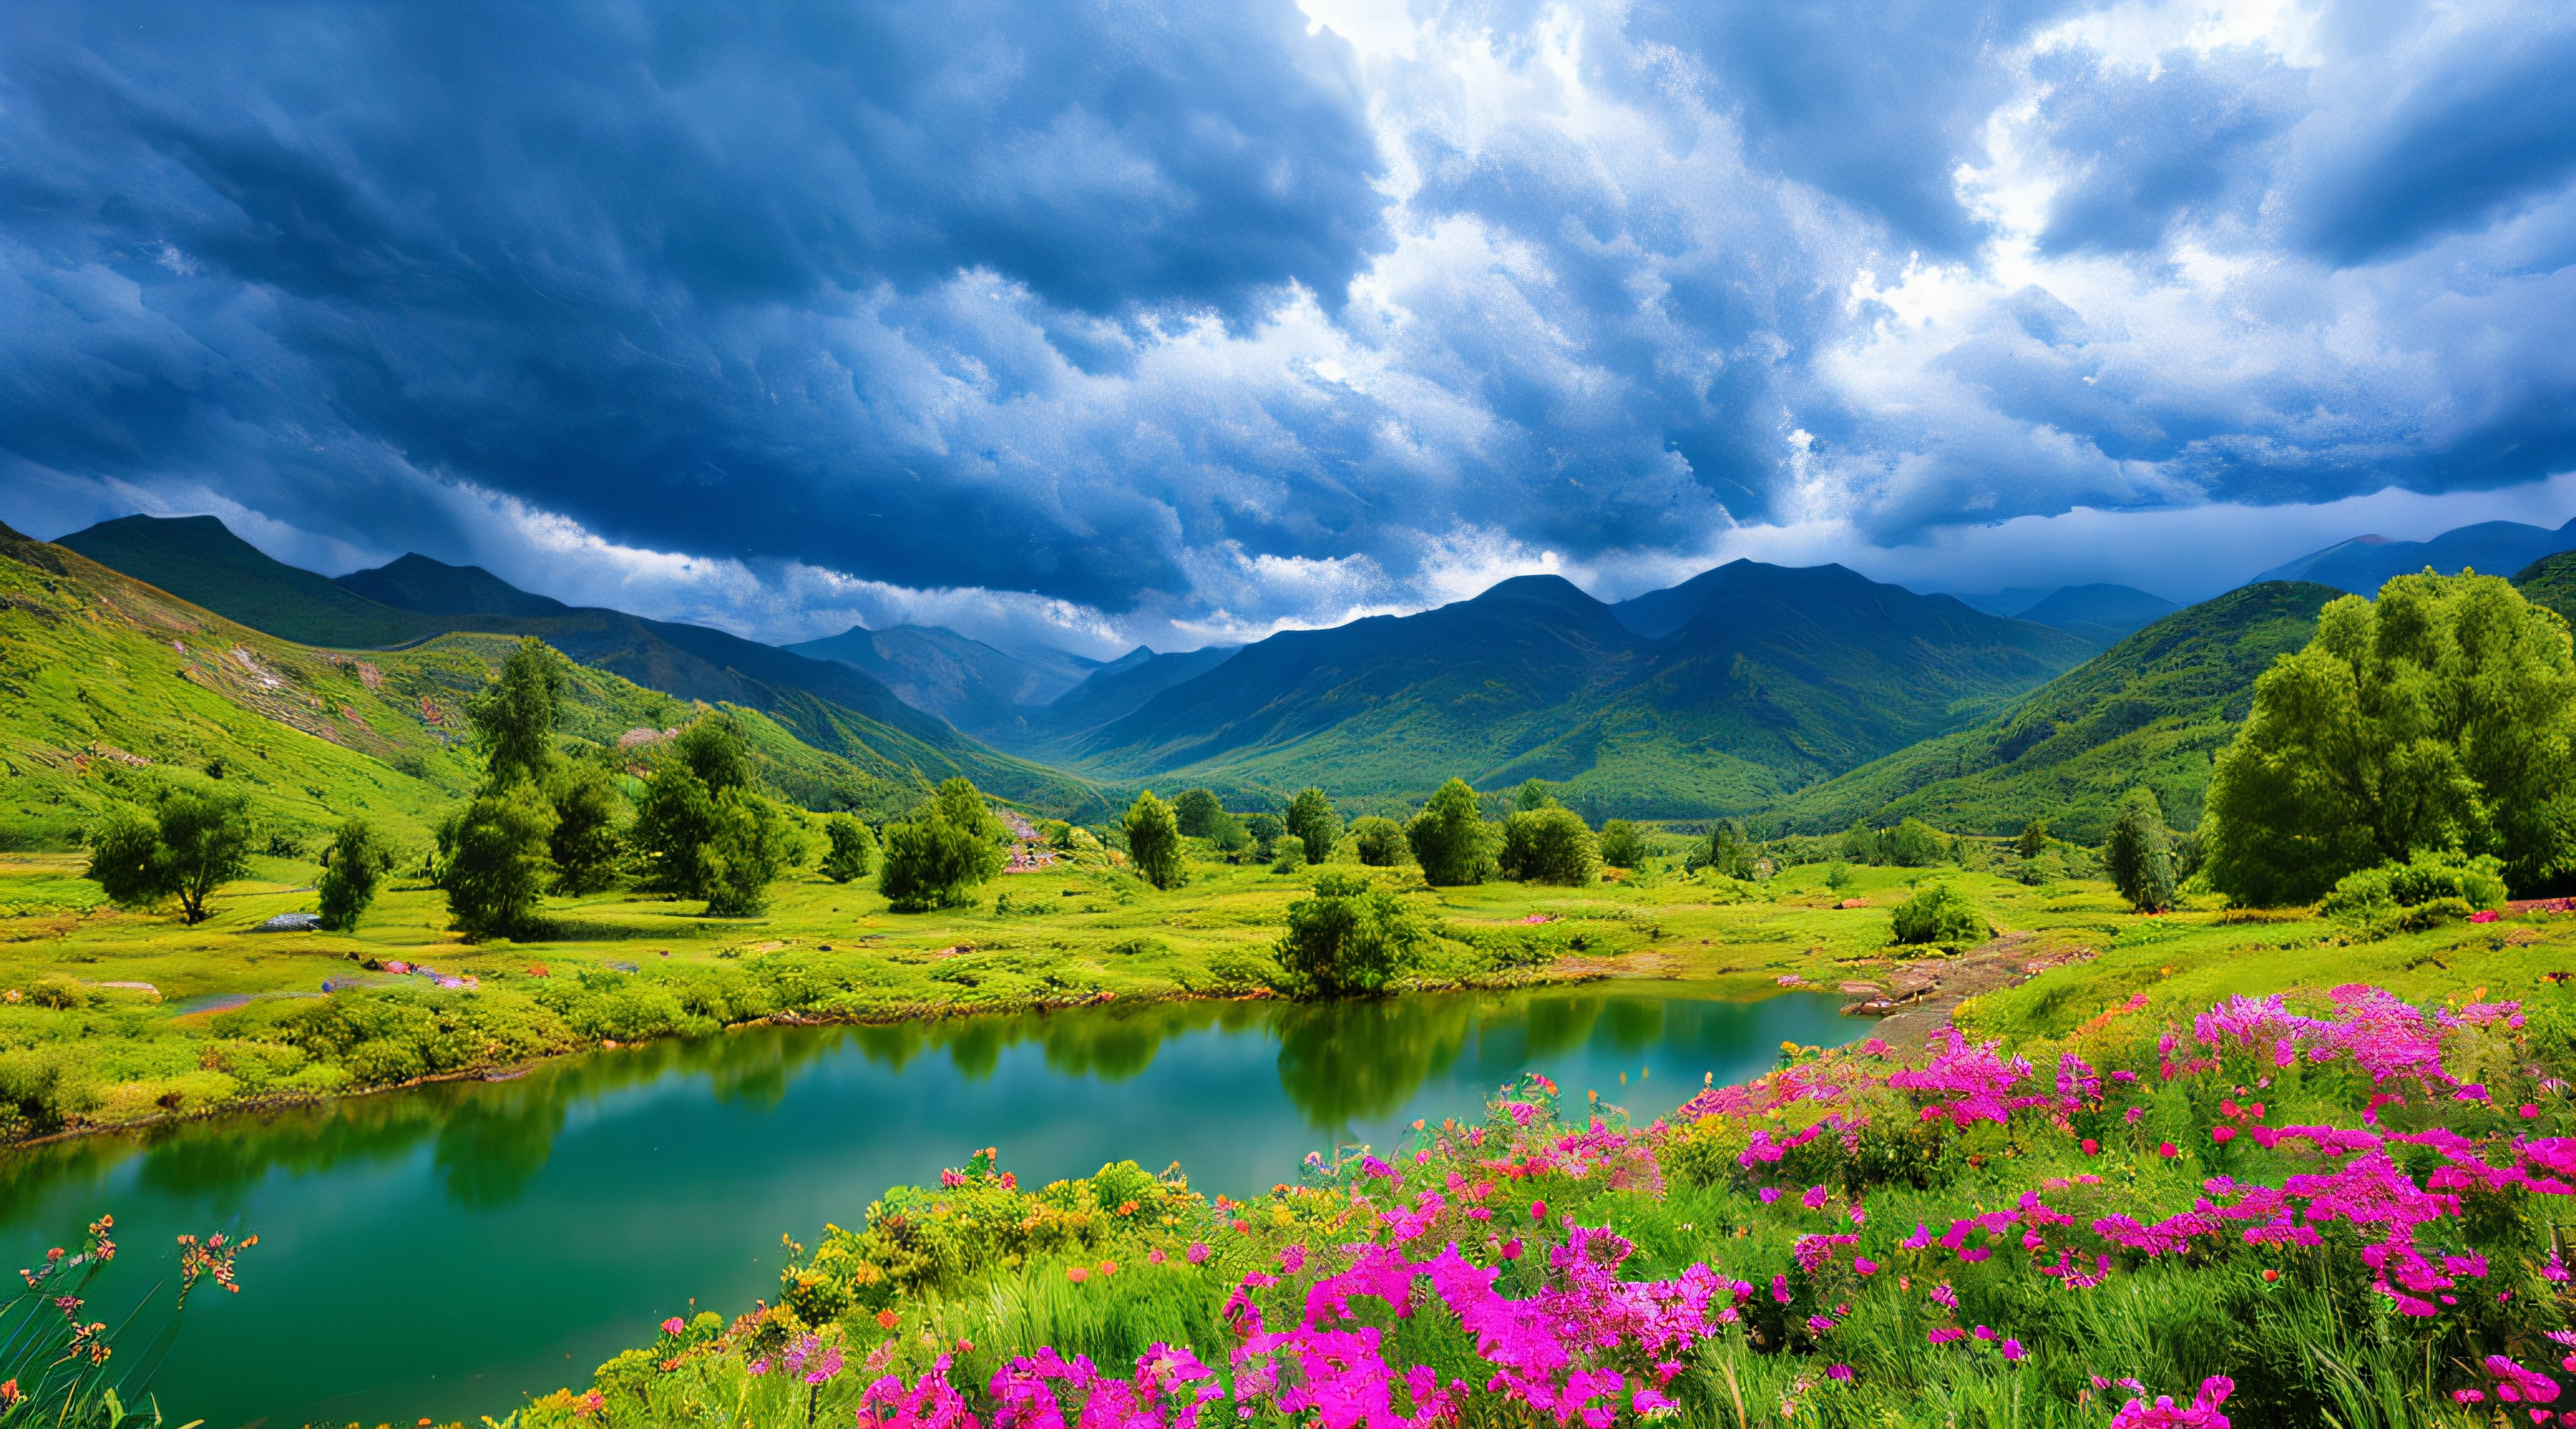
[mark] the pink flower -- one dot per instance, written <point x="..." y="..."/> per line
<point x="2013" y="1351"/>
<point x="673" y="1325"/>
<point x="1838" y="1372"/>
<point x="1814" y="1200"/>
<point x="1197" y="1253"/>
<point x="2222" y="1134"/>
<point x="2529" y="1112"/>
<point x="1512" y="1248"/>
<point x="1538" y="1210"/>
<point x="2167" y="1150"/>
<point x="1864" y="1265"/>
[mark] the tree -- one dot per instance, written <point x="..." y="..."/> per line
<point x="1860" y="843"/>
<point x="1532" y="796"/>
<point x="1550" y="845"/>
<point x="676" y="819"/>
<point x="514" y="714"/>
<point x="1380" y="841"/>
<point x="1198" y="812"/>
<point x="1727" y="851"/>
<point x="1154" y="840"/>
<point x="2138" y="853"/>
<point x="853" y="851"/>
<point x="587" y="842"/>
<point x="1621" y="844"/>
<point x="753" y="845"/>
<point x="356" y="862"/>
<point x="939" y="855"/>
<point x="493" y="861"/>
<point x="1265" y="829"/>
<point x="190" y="845"/>
<point x="1450" y="838"/>
<point x="2440" y="716"/>
<point x="1312" y="819"/>
<point x="2033" y="840"/>
<point x="1940" y="914"/>
<point x="1915" y="844"/>
<point x="1289" y="854"/>
<point x="1348" y="937"/>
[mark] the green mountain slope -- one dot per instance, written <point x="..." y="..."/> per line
<point x="415" y="582"/>
<point x="200" y="560"/>
<point x="2154" y="709"/>
<point x="110" y="687"/>
<point x="2551" y="581"/>
<point x="1767" y="679"/>
<point x="1117" y="689"/>
<point x="834" y="707"/>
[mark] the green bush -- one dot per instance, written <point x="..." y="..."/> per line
<point x="1198" y="813"/>
<point x="2435" y="886"/>
<point x="493" y="861"/>
<point x="1621" y="845"/>
<point x="1550" y="845"/>
<point x="587" y="843"/>
<point x="1349" y="937"/>
<point x="1380" y="841"/>
<point x="1287" y="854"/>
<point x="357" y="862"/>
<point x="853" y="851"/>
<point x="1941" y="914"/>
<point x="1450" y="838"/>
<point x="2139" y="854"/>
<point x="755" y="843"/>
<point x="948" y="848"/>
<point x="1312" y="819"/>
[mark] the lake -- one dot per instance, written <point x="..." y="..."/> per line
<point x="447" y="1250"/>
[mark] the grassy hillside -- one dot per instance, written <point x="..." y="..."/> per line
<point x="109" y="687"/>
<point x="834" y="707"/>
<point x="2551" y="581"/>
<point x="1746" y="683"/>
<point x="2154" y="709"/>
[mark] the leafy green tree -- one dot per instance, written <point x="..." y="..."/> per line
<point x="1915" y="844"/>
<point x="1939" y="913"/>
<point x="1265" y="829"/>
<point x="718" y="752"/>
<point x="1288" y="854"/>
<point x="492" y="861"/>
<point x="1154" y="841"/>
<point x="2033" y="840"/>
<point x="948" y="847"/>
<point x="587" y="842"/>
<point x="1727" y="851"/>
<point x="352" y="867"/>
<point x="1198" y="812"/>
<point x="1532" y="796"/>
<point x="1312" y="819"/>
<point x="2440" y="716"/>
<point x="1380" y="841"/>
<point x="1860" y="843"/>
<point x="1621" y="845"/>
<point x="2139" y="854"/>
<point x="853" y="851"/>
<point x="1550" y="845"/>
<point x="676" y="818"/>
<point x="514" y="714"/>
<point x="1230" y="836"/>
<point x="754" y="845"/>
<point x="1450" y="838"/>
<point x="190" y="844"/>
<point x="1349" y="937"/>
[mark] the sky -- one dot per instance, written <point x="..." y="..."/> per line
<point x="1095" y="324"/>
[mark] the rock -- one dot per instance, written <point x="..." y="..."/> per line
<point x="292" y="923"/>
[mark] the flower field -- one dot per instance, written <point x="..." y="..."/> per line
<point x="2334" y="1207"/>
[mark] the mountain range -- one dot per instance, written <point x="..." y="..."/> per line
<point x="2099" y="613"/>
<point x="832" y="706"/>
<point x="986" y="692"/>
<point x="2364" y="563"/>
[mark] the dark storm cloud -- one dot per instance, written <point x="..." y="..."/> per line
<point x="1198" y="310"/>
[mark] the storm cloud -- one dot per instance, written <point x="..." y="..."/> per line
<point x="1097" y="322"/>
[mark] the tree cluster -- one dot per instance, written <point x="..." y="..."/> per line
<point x="944" y="850"/>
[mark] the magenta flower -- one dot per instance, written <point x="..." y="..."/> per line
<point x="673" y="1325"/>
<point x="1197" y="1253"/>
<point x="1864" y="1265"/>
<point x="2013" y="1351"/>
<point x="1538" y="1210"/>
<point x="1838" y="1372"/>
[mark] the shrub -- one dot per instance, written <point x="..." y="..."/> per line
<point x="1380" y="841"/>
<point x="1349" y="937"/>
<point x="1550" y="845"/>
<point x="1265" y="830"/>
<point x="949" y="847"/>
<point x="853" y="852"/>
<point x="1621" y="845"/>
<point x="1154" y="841"/>
<point x="1727" y="851"/>
<point x="1288" y="854"/>
<point x="2434" y="886"/>
<point x="2033" y="839"/>
<point x="1197" y="812"/>
<point x="1450" y="838"/>
<point x="1941" y="914"/>
<point x="1915" y="844"/>
<point x="356" y="863"/>
<point x="1312" y="819"/>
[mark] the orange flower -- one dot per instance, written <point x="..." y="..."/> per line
<point x="1109" y="1267"/>
<point x="1077" y="1273"/>
<point x="885" y="1319"/>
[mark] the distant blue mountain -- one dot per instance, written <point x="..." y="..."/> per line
<point x="2008" y="602"/>
<point x="2099" y="613"/>
<point x="2364" y="563"/>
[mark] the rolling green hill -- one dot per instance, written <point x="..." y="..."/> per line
<point x="110" y="687"/>
<point x="2154" y="709"/>
<point x="1747" y="682"/>
<point x="2551" y="581"/>
<point x="834" y="707"/>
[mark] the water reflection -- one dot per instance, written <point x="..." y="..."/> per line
<point x="440" y="1250"/>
